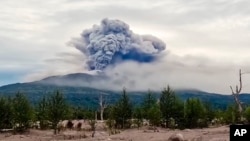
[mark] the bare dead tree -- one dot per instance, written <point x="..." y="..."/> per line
<point x="236" y="94"/>
<point x="103" y="105"/>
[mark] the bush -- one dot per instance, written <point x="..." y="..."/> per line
<point x="247" y="114"/>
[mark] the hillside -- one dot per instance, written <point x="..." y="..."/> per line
<point x="87" y="96"/>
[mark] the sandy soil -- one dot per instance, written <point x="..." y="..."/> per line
<point x="143" y="134"/>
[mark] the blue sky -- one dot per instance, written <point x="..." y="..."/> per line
<point x="10" y="77"/>
<point x="207" y="41"/>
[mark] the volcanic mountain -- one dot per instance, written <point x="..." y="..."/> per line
<point x="78" y="90"/>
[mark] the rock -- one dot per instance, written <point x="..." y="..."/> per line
<point x="176" y="137"/>
<point x="122" y="138"/>
<point x="199" y="138"/>
<point x="187" y="130"/>
<point x="205" y="132"/>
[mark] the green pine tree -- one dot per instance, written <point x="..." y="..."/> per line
<point x="194" y="113"/>
<point x="122" y="111"/>
<point x="57" y="109"/>
<point x="6" y="113"/>
<point x="42" y="113"/>
<point x="138" y="116"/>
<point x="154" y="115"/>
<point x="148" y="102"/>
<point x="22" y="112"/>
<point x="171" y="107"/>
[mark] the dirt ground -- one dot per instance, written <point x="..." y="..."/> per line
<point x="143" y="134"/>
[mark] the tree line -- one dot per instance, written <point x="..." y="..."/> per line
<point x="169" y="111"/>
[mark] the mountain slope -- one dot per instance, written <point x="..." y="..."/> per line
<point x="76" y="79"/>
<point x="83" y="94"/>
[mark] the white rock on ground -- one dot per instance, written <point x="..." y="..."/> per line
<point x="176" y="137"/>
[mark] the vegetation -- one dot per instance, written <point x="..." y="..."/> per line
<point x="6" y="113"/>
<point x="154" y="115"/>
<point x="169" y="111"/>
<point x="195" y="113"/>
<point x="122" y="112"/>
<point x="138" y="117"/>
<point x="247" y="114"/>
<point x="57" y="109"/>
<point x="42" y="113"/>
<point x="22" y="113"/>
<point x="148" y="102"/>
<point x="171" y="107"/>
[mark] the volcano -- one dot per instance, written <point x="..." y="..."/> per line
<point x="75" y="79"/>
<point x="78" y="89"/>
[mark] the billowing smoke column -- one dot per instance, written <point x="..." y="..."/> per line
<point x="113" y="42"/>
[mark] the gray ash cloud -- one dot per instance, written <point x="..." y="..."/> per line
<point x="112" y="42"/>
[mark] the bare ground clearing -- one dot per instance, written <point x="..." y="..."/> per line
<point x="143" y="134"/>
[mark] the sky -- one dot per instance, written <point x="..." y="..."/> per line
<point x="207" y="42"/>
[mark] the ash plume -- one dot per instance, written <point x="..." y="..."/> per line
<point x="112" y="42"/>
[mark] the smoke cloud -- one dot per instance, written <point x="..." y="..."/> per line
<point x="112" y="42"/>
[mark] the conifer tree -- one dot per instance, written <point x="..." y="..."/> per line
<point x="22" y="112"/>
<point x="57" y="109"/>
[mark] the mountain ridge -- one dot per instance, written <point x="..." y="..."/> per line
<point x="84" y="94"/>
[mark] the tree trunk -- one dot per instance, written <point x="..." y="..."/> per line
<point x="236" y="94"/>
<point x="101" y="113"/>
<point x="102" y="105"/>
<point x="95" y="115"/>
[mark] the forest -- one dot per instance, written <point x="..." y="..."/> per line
<point x="169" y="111"/>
